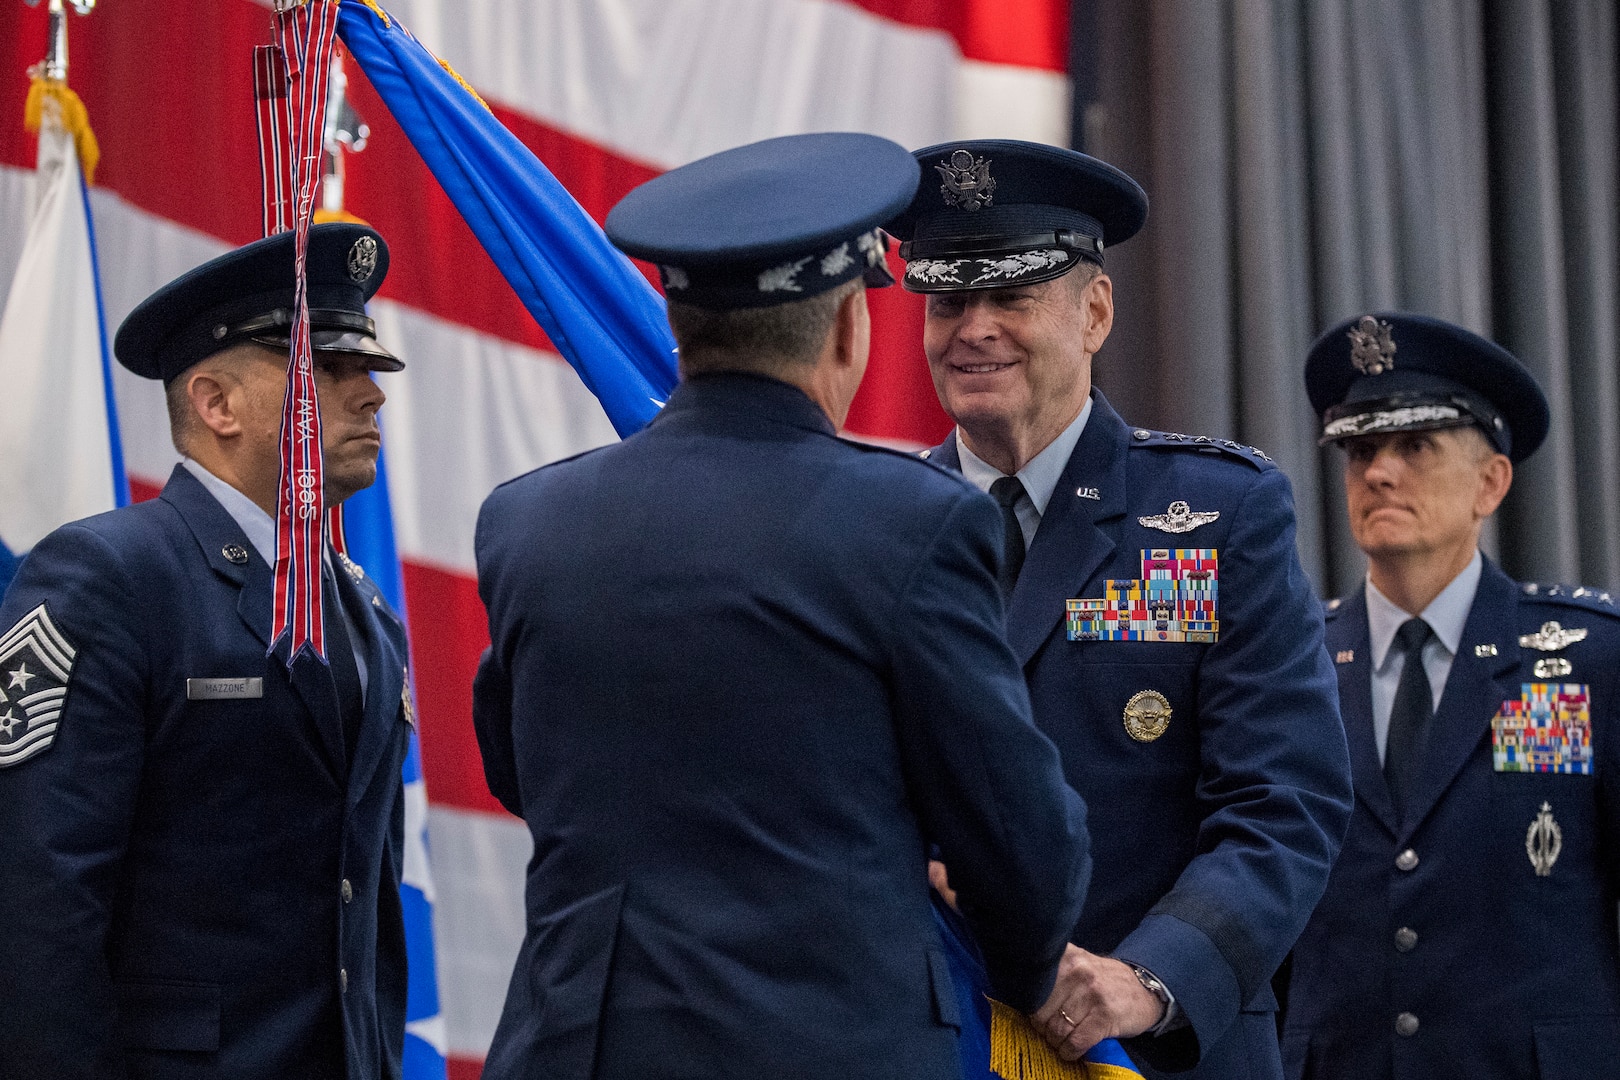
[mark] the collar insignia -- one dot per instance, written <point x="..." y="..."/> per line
<point x="1552" y="638"/>
<point x="1180" y="518"/>
<point x="968" y="183"/>
<point x="1372" y="348"/>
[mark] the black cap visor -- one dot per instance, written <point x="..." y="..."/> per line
<point x="1415" y="412"/>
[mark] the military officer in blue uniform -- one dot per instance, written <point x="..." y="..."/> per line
<point x="1170" y="641"/>
<point x="1469" y="927"/>
<point x="743" y="673"/>
<point x="200" y="852"/>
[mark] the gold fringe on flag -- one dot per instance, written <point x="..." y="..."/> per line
<point x="465" y="85"/>
<point x="71" y="113"/>
<point x="388" y="23"/>
<point x="1017" y="1052"/>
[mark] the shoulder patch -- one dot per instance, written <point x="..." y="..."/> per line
<point x="1253" y="455"/>
<point x="1578" y="596"/>
<point x="36" y="663"/>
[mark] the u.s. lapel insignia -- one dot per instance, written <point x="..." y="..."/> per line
<point x="1180" y="518"/>
<point x="1552" y="638"/>
<point x="1544" y="841"/>
<point x="1548" y="730"/>
<point x="1147" y="715"/>
<point x="1088" y="493"/>
<point x="1484" y="651"/>
<point x="405" y="700"/>
<point x="36" y="665"/>
<point x="1345" y="656"/>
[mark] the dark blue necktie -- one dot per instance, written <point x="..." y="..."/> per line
<point x="1007" y="491"/>
<point x="1410" y="716"/>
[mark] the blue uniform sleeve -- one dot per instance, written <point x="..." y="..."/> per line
<point x="492" y="722"/>
<point x="1275" y="792"/>
<point x="987" y="784"/>
<point x="65" y="817"/>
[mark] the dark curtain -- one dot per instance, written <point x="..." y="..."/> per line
<point x="1309" y="160"/>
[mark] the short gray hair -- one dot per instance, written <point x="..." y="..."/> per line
<point x="760" y="340"/>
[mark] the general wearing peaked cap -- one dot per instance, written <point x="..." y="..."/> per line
<point x="770" y="222"/>
<point x="247" y="295"/>
<point x="989" y="213"/>
<point x="1392" y="371"/>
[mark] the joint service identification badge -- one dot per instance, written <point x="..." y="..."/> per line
<point x="1548" y="730"/>
<point x="1173" y="601"/>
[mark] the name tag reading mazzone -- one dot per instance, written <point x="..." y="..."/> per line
<point x="223" y="689"/>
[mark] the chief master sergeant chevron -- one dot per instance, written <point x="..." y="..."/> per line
<point x="1468" y="931"/>
<point x="1170" y="640"/>
<point x="200" y="855"/>
<point x="743" y="673"/>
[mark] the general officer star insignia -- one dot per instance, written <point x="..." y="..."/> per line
<point x="39" y="662"/>
<point x="1180" y="518"/>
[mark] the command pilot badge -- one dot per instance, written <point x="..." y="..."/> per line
<point x="968" y="183"/>
<point x="1180" y="518"/>
<point x="1147" y="714"/>
<point x="1544" y="841"/>
<point x="35" y="664"/>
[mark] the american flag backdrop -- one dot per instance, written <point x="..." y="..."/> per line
<point x="607" y="93"/>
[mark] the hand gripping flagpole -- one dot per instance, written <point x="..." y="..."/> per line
<point x="291" y="150"/>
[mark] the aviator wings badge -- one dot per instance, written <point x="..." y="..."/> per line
<point x="1180" y="518"/>
<point x="1552" y="637"/>
<point x="968" y="183"/>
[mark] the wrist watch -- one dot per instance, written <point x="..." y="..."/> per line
<point x="1150" y="982"/>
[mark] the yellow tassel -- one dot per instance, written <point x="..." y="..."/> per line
<point x="70" y="113"/>
<point x="465" y="85"/>
<point x="381" y="14"/>
<point x="1017" y="1052"/>
<point x="323" y="215"/>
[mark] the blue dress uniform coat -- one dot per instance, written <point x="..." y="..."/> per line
<point x="1213" y="841"/>
<point x="1500" y="972"/>
<point x="195" y="888"/>
<point x="742" y="674"/>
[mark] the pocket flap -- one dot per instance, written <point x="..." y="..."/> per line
<point x="168" y="1015"/>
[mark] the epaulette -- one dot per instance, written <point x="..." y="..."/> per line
<point x="919" y="457"/>
<point x="1176" y="440"/>
<point x="1581" y="596"/>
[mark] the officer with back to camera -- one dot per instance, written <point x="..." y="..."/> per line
<point x="1171" y="644"/>
<point x="1469" y="927"/>
<point x="743" y="673"/>
<point x="200" y="851"/>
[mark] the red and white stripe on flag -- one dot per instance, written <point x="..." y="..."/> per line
<point x="608" y="93"/>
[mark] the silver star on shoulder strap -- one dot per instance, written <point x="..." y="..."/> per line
<point x="1552" y="637"/>
<point x="1180" y="518"/>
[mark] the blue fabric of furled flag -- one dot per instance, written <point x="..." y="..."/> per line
<point x="972" y="985"/>
<point x="368" y="527"/>
<point x="598" y="310"/>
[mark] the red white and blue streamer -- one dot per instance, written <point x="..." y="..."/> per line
<point x="306" y="33"/>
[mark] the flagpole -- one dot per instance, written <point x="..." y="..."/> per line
<point x="55" y="66"/>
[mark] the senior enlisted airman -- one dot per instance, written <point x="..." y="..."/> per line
<point x="743" y="673"/>
<point x="200" y="852"/>
<point x="1469" y="928"/>
<point x="1171" y="643"/>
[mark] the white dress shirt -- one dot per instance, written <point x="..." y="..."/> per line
<point x="260" y="530"/>
<point x="1446" y="616"/>
<point x="1040" y="475"/>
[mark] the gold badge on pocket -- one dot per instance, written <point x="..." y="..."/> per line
<point x="1147" y="714"/>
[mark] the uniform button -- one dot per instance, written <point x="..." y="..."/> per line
<point x="1406" y="860"/>
<point x="1406" y="1025"/>
<point x="343" y="986"/>
<point x="1405" y="939"/>
<point x="346" y="891"/>
<point x="1142" y="434"/>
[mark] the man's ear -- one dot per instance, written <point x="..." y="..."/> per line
<point x="852" y="331"/>
<point x="1098" y="301"/>
<point x="1495" y="477"/>
<point x="209" y="392"/>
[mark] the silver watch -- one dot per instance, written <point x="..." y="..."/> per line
<point x="1150" y="982"/>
